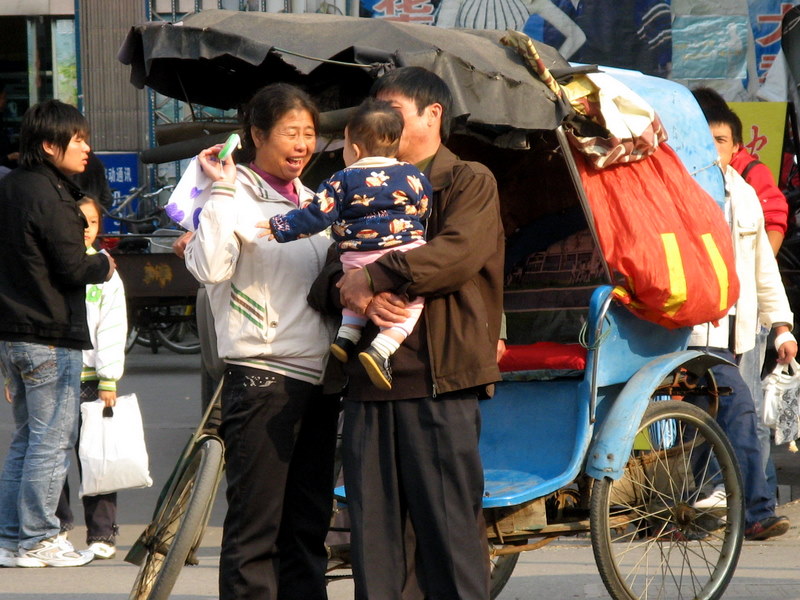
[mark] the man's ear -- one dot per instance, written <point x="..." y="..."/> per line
<point x="435" y="111"/>
<point x="50" y="149"/>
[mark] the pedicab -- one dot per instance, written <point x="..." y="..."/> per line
<point x="604" y="423"/>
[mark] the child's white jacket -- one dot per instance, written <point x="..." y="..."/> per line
<point x="762" y="298"/>
<point x="107" y="318"/>
<point x="256" y="286"/>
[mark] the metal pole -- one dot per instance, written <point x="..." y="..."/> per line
<point x="78" y="69"/>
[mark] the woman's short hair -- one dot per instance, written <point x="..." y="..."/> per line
<point x="51" y="121"/>
<point x="267" y="106"/>
<point x="422" y="86"/>
<point x="376" y="126"/>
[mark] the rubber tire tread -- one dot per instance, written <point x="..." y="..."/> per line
<point x="177" y="347"/>
<point x="602" y="488"/>
<point x="501" y="573"/>
<point x="206" y="480"/>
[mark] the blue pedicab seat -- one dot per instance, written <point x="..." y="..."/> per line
<point x="535" y="434"/>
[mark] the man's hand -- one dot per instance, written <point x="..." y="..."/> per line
<point x="788" y="349"/>
<point x="112" y="266"/>
<point x="354" y="290"/>
<point x="108" y="397"/>
<point x="179" y="245"/>
<point x="501" y="349"/>
<point x="387" y="309"/>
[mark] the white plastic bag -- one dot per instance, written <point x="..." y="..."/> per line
<point x="112" y="450"/>
<point x="782" y="402"/>
<point x="189" y="196"/>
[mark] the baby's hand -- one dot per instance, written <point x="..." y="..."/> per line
<point x="267" y="230"/>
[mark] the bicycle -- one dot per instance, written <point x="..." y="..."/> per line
<point x="145" y="216"/>
<point x="182" y="511"/>
<point x="184" y="505"/>
<point x="173" y="327"/>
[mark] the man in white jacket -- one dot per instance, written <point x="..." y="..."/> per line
<point x="762" y="299"/>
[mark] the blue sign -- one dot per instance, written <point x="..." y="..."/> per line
<point x="122" y="173"/>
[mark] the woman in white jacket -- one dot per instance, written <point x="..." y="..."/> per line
<point x="278" y="427"/>
<point x="762" y="299"/>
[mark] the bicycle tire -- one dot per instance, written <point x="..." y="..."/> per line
<point x="130" y="341"/>
<point x="178" y="529"/>
<point x="177" y="341"/>
<point x="501" y="568"/>
<point x="648" y="538"/>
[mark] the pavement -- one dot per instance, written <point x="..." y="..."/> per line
<point x="168" y="390"/>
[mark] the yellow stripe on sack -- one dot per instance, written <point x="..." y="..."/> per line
<point x="677" y="277"/>
<point x="719" y="268"/>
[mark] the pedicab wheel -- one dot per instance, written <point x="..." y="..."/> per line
<point x="501" y="566"/>
<point x="176" y="532"/>
<point x="649" y="538"/>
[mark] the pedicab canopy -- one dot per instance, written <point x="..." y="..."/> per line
<point x="218" y="58"/>
<point x="663" y="239"/>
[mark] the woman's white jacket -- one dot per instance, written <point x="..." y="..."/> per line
<point x="762" y="298"/>
<point x="256" y="286"/>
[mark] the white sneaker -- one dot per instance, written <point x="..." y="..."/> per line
<point x="8" y="558"/>
<point x="54" y="553"/>
<point x="716" y="499"/>
<point x="102" y="550"/>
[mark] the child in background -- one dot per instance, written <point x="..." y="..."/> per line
<point x="375" y="205"/>
<point x="106" y="315"/>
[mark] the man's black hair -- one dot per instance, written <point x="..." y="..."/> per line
<point x="716" y="110"/>
<point x="50" y="121"/>
<point x="423" y="87"/>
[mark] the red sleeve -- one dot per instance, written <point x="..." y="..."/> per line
<point x="773" y="202"/>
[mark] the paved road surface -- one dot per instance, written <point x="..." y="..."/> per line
<point x="169" y="391"/>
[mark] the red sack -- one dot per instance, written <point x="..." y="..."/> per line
<point x="665" y="236"/>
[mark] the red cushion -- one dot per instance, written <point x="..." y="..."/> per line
<point x="543" y="355"/>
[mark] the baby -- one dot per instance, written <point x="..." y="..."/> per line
<point x="375" y="205"/>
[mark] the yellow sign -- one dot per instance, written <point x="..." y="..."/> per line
<point x="763" y="126"/>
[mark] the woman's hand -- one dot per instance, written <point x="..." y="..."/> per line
<point x="216" y="171"/>
<point x="108" y="397"/>
<point x="179" y="245"/>
<point x="387" y="309"/>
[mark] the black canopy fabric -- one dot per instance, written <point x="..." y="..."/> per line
<point x="790" y="42"/>
<point x="219" y="58"/>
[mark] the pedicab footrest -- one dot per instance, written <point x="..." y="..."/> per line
<point x="503" y="487"/>
<point x="542" y="360"/>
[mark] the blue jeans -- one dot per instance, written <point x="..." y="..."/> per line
<point x="44" y="382"/>
<point x="737" y="417"/>
<point x="750" y="364"/>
